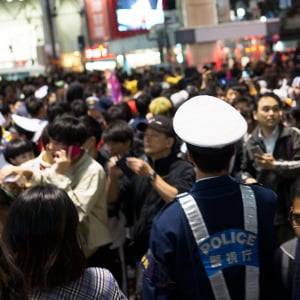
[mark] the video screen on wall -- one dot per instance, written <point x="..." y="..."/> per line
<point x="138" y="14"/>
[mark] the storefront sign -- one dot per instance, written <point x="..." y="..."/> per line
<point x="97" y="53"/>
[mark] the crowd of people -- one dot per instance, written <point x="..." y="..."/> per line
<point x="158" y="184"/>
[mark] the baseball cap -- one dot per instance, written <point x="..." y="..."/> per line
<point x="101" y="104"/>
<point x="207" y="122"/>
<point x="159" y="123"/>
<point x="41" y="92"/>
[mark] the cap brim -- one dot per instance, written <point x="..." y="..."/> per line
<point x="143" y="126"/>
<point x="28" y="124"/>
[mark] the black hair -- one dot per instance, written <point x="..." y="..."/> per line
<point x="41" y="233"/>
<point x="4" y="108"/>
<point x="120" y="111"/>
<point x="118" y="131"/>
<point x="243" y="98"/>
<point x="57" y="108"/>
<point x="79" y="108"/>
<point x="68" y="130"/>
<point x="12" y="283"/>
<point x="142" y="104"/>
<point x="212" y="161"/>
<point x="142" y="84"/>
<point x="45" y="139"/>
<point x="93" y="127"/>
<point x="156" y="90"/>
<point x="34" y="105"/>
<point x="268" y="94"/>
<point x="241" y="88"/>
<point x="17" y="146"/>
<point x="74" y="91"/>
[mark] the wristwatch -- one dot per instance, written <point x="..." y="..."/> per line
<point x="151" y="176"/>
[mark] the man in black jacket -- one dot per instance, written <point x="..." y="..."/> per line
<point x="272" y="158"/>
<point x="158" y="177"/>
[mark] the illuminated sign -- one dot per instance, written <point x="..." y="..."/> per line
<point x="97" y="53"/>
<point x="260" y="48"/>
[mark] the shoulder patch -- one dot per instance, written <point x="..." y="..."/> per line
<point x="154" y="271"/>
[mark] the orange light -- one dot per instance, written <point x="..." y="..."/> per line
<point x="253" y="48"/>
<point x="261" y="48"/>
<point x="247" y="50"/>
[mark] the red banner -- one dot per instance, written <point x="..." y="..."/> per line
<point x="97" y="16"/>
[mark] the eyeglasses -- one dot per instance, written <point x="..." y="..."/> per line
<point x="294" y="219"/>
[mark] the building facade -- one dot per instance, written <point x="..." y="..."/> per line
<point x="104" y="33"/>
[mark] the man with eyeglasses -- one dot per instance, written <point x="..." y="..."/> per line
<point x="287" y="260"/>
<point x="272" y="158"/>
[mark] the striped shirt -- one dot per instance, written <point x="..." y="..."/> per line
<point x="95" y="283"/>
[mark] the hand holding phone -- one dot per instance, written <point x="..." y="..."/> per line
<point x="63" y="159"/>
<point x="121" y="164"/>
<point x="257" y="150"/>
<point x="74" y="152"/>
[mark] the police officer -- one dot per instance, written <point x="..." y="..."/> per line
<point x="216" y="242"/>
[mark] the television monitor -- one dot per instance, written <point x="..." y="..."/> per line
<point x="138" y="15"/>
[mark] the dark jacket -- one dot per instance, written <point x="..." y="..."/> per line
<point x="282" y="179"/>
<point x="284" y="264"/>
<point x="147" y="202"/>
<point x="176" y="270"/>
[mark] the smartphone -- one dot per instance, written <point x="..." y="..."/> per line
<point x="257" y="150"/>
<point x="75" y="150"/>
<point x="121" y="163"/>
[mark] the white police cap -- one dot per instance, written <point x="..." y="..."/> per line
<point x="208" y="122"/>
<point x="41" y="92"/>
<point x="28" y="124"/>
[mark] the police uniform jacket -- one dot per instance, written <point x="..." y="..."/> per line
<point x="174" y="269"/>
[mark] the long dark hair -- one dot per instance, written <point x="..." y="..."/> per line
<point x="12" y="284"/>
<point x="41" y="232"/>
